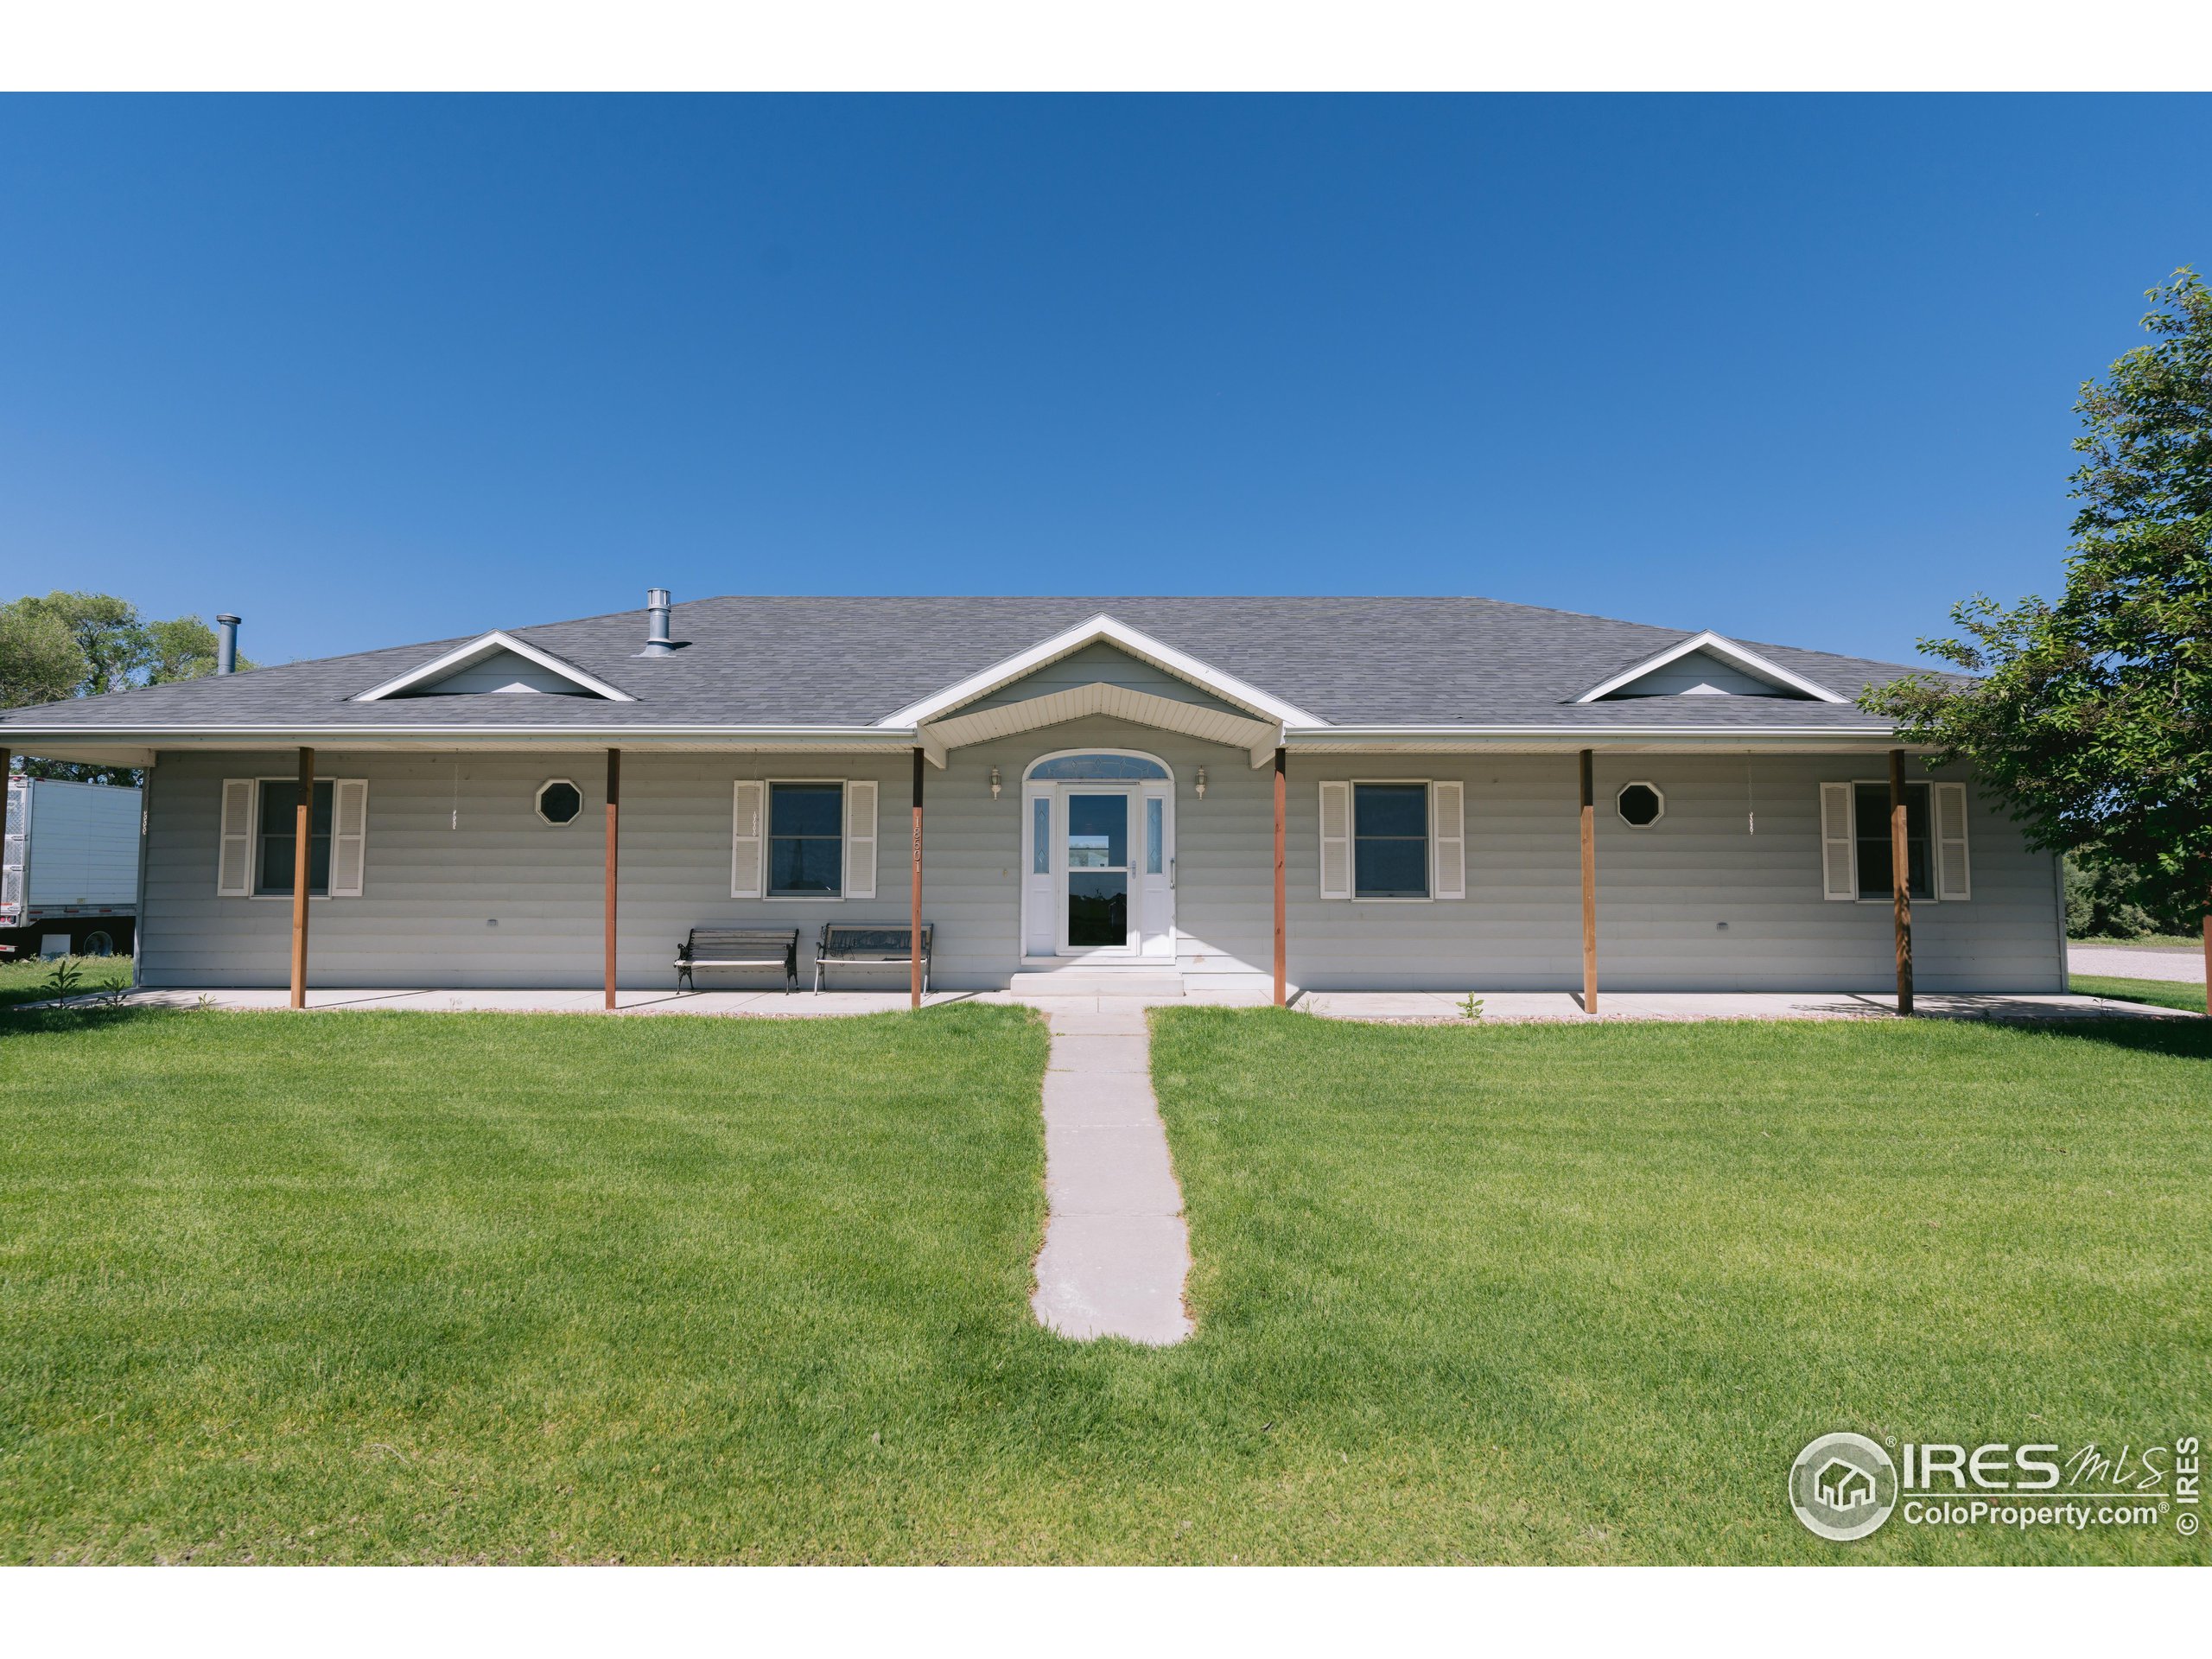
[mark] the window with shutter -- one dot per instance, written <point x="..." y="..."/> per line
<point x="1839" y="860"/>
<point x="234" y="861"/>
<point x="744" y="843"/>
<point x="349" y="837"/>
<point x="1448" y="806"/>
<point x="1953" y="876"/>
<point x="860" y="838"/>
<point x="1335" y="841"/>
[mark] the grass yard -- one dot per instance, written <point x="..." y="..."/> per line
<point x="2158" y="992"/>
<point x="1582" y="1294"/>
<point x="32" y="979"/>
<point x="424" y="1287"/>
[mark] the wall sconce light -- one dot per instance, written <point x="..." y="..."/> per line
<point x="995" y="783"/>
<point x="1202" y="783"/>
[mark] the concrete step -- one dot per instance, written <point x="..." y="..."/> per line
<point x="1097" y="981"/>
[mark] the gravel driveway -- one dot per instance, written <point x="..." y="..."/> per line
<point x="2127" y="962"/>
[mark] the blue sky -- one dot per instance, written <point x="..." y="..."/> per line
<point x="370" y="371"/>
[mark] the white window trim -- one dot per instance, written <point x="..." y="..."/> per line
<point x="537" y="804"/>
<point x="1935" y="875"/>
<point x="253" y="844"/>
<point x="1640" y="783"/>
<point x="1428" y="835"/>
<point x="767" y="820"/>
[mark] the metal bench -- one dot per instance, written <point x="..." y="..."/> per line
<point x="870" y="944"/>
<point x="739" y="947"/>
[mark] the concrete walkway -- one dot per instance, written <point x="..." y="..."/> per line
<point x="1116" y="1250"/>
<point x="2136" y="962"/>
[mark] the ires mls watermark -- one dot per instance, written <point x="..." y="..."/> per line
<point x="1844" y="1486"/>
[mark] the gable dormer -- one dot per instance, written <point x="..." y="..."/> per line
<point x="499" y="663"/>
<point x="1709" y="665"/>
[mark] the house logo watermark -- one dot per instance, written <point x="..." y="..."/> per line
<point x="1844" y="1486"/>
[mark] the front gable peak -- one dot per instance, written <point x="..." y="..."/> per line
<point x="1108" y="630"/>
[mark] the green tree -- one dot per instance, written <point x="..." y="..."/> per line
<point x="40" y="660"/>
<point x="2092" y="716"/>
<point x="182" y="648"/>
<point x="73" y="644"/>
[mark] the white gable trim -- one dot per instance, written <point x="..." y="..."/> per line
<point x="1142" y="647"/>
<point x="491" y="645"/>
<point x="1728" y="651"/>
<point x="938" y="738"/>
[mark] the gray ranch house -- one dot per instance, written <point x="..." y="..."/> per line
<point x="1254" y="794"/>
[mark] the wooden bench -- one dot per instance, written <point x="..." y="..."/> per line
<point x="870" y="944"/>
<point x="739" y="947"/>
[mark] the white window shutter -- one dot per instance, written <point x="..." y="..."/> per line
<point x="1335" y="841"/>
<point x="1838" y="851"/>
<point x="745" y="840"/>
<point x="349" y="836"/>
<point x="1448" y="837"/>
<point x="1953" y="878"/>
<point x="234" y="863"/>
<point x="860" y="838"/>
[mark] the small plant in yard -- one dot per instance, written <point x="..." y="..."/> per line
<point x="1471" y="1007"/>
<point x="64" y="978"/>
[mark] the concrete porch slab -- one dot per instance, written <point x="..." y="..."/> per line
<point x="1510" y="1007"/>
<point x="772" y="1004"/>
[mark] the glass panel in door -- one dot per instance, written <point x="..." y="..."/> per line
<point x="1098" y="872"/>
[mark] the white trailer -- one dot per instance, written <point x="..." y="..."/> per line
<point x="68" y="868"/>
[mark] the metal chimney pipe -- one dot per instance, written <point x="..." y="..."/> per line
<point x="656" y="643"/>
<point x="226" y="644"/>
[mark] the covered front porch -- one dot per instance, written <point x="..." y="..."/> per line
<point x="1390" y="1008"/>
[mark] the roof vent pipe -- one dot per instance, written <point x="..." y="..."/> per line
<point x="657" y="623"/>
<point x="226" y="644"/>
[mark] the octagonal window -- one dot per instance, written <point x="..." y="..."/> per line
<point x="559" y="801"/>
<point x="1641" y="805"/>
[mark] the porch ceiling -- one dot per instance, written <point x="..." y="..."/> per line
<point x="938" y="737"/>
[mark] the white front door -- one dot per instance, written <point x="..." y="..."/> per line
<point x="1098" y="870"/>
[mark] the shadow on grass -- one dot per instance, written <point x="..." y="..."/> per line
<point x="84" y="1016"/>
<point x="2181" y="1039"/>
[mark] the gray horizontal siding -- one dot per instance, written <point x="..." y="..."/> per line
<point x="503" y="900"/>
<point x="1101" y="663"/>
<point x="1699" y="668"/>
<point x="1664" y="891"/>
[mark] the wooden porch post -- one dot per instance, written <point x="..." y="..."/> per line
<point x="613" y="840"/>
<point x="1589" y="889"/>
<point x="1900" y="880"/>
<point x="1283" y="894"/>
<point x="914" y="915"/>
<point x="302" y="846"/>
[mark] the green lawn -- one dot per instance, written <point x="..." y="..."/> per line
<point x="31" y="978"/>
<point x="421" y="1288"/>
<point x="2158" y="992"/>
<point x="1562" y="1295"/>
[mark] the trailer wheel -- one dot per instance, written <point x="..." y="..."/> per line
<point x="96" y="943"/>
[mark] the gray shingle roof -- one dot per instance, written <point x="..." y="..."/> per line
<point x="851" y="661"/>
